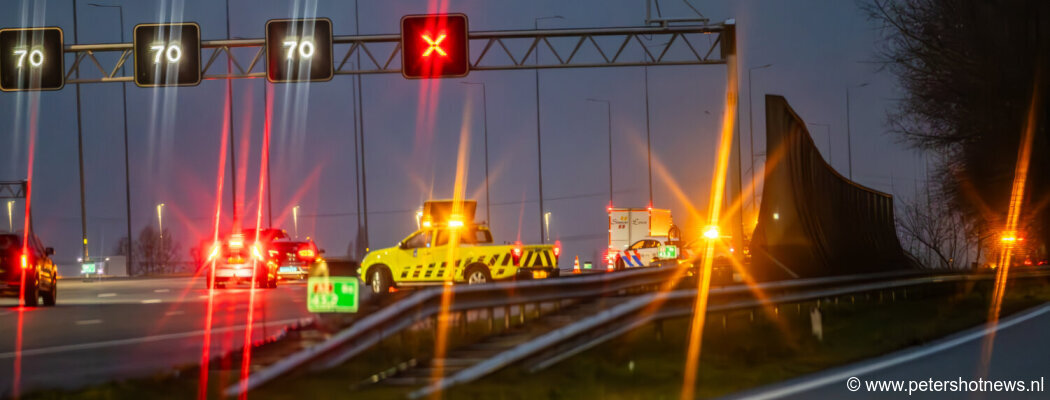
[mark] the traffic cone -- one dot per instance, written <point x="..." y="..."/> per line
<point x="576" y="265"/>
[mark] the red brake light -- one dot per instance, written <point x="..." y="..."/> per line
<point x="516" y="252"/>
<point x="25" y="261"/>
<point x="557" y="248"/>
<point x="236" y="241"/>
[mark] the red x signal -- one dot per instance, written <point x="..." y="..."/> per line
<point x="435" y="45"/>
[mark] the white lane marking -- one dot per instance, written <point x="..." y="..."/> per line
<point x="151" y="301"/>
<point x="176" y="312"/>
<point x="106" y="294"/>
<point x="89" y="322"/>
<point x="146" y="339"/>
<point x="160" y="291"/>
<point x="905" y="356"/>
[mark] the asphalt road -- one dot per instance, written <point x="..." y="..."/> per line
<point x="107" y="330"/>
<point x="1020" y="354"/>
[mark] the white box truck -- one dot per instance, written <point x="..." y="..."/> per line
<point x="640" y="237"/>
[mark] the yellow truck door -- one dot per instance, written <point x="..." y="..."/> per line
<point x="414" y="257"/>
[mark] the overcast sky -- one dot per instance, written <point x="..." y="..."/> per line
<point x="817" y="48"/>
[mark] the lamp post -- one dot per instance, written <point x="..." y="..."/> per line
<point x="849" y="137"/>
<point x="124" y="101"/>
<point x="295" y="220"/>
<point x="751" y="133"/>
<point x="539" y="140"/>
<point x="608" y="108"/>
<point x="648" y="134"/>
<point x="827" y="127"/>
<point x="160" y="220"/>
<point x="485" y="119"/>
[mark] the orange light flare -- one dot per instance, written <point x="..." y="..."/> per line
<point x="220" y="178"/>
<point x="246" y="353"/>
<point x="459" y="188"/>
<point x="1010" y="237"/>
<point x="696" y="331"/>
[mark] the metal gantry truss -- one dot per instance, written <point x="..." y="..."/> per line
<point x="13" y="189"/>
<point x="499" y="50"/>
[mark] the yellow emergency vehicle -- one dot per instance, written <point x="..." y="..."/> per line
<point x="428" y="256"/>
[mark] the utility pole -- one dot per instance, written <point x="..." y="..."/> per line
<point x="361" y="131"/>
<point x="124" y="102"/>
<point x="485" y="119"/>
<point x="539" y="140"/>
<point x="229" y="120"/>
<point x="80" y="151"/>
<point x="849" y="136"/>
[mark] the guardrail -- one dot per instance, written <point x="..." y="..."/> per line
<point x="427" y="303"/>
<point x="680" y="303"/>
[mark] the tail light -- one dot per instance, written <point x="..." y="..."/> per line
<point x="237" y="241"/>
<point x="256" y="252"/>
<point x="516" y="253"/>
<point x="557" y="250"/>
<point x="25" y="261"/>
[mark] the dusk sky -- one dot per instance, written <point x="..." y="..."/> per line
<point x="817" y="48"/>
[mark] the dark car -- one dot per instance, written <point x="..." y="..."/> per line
<point x="242" y="255"/>
<point x="293" y="258"/>
<point x="40" y="274"/>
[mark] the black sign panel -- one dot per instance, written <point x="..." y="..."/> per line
<point x="299" y="50"/>
<point x="434" y="46"/>
<point x="31" y="59"/>
<point x="167" y="54"/>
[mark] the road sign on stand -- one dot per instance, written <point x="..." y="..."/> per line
<point x="332" y="294"/>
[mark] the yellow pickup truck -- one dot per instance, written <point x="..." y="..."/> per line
<point x="427" y="258"/>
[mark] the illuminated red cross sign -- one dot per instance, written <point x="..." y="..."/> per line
<point x="434" y="46"/>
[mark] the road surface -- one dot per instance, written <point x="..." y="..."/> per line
<point x="106" y="330"/>
<point x="1021" y="355"/>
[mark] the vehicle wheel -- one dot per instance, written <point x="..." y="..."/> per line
<point x="51" y="296"/>
<point x="477" y="275"/>
<point x="32" y="293"/>
<point x="381" y="280"/>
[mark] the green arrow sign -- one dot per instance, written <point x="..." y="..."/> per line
<point x="332" y="294"/>
<point x="668" y="252"/>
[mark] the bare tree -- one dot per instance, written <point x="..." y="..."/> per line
<point x="155" y="253"/>
<point x="935" y="234"/>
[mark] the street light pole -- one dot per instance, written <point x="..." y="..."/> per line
<point x="539" y="141"/>
<point x="608" y="109"/>
<point x="485" y="119"/>
<point x="80" y="149"/>
<point x="229" y="120"/>
<point x="751" y="133"/>
<point x="648" y="134"/>
<point x="849" y="136"/>
<point x="295" y="220"/>
<point x="124" y="101"/>
<point x="160" y="220"/>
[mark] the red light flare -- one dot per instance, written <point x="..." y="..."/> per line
<point x="429" y="88"/>
<point x="34" y="113"/>
<point x="246" y="353"/>
<point x="202" y="385"/>
<point x="1024" y="155"/>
